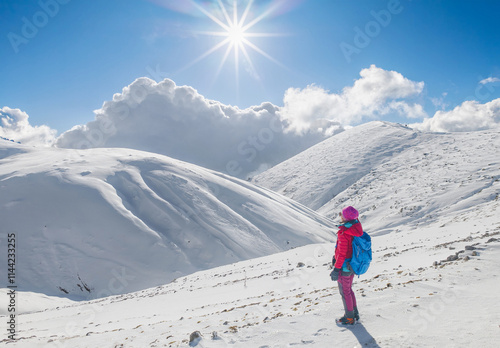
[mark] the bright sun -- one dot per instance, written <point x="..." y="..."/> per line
<point x="235" y="34"/>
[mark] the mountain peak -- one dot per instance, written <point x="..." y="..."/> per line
<point x="147" y="216"/>
<point x="392" y="173"/>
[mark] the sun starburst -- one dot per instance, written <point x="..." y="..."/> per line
<point x="235" y="35"/>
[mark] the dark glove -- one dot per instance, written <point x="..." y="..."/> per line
<point x="335" y="274"/>
<point x="333" y="261"/>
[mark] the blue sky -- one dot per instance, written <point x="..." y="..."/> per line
<point x="82" y="52"/>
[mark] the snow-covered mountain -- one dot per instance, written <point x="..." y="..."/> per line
<point x="430" y="201"/>
<point x="392" y="174"/>
<point x="92" y="223"/>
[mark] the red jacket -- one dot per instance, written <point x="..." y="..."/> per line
<point x="343" y="249"/>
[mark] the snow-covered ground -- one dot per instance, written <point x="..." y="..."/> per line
<point x="430" y="201"/>
<point x="93" y="223"/>
<point x="392" y="174"/>
<point x="404" y="300"/>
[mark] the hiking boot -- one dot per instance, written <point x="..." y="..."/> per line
<point x="346" y="321"/>
<point x="356" y="314"/>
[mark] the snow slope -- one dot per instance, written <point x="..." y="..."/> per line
<point x="404" y="299"/>
<point x="93" y="223"/>
<point x="433" y="282"/>
<point x="392" y="174"/>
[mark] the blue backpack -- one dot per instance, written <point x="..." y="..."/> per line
<point x="361" y="254"/>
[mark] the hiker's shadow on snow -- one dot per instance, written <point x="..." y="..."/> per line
<point x="364" y="338"/>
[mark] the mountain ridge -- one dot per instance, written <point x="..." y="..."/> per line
<point x="285" y="179"/>
<point x="122" y="211"/>
<point x="397" y="172"/>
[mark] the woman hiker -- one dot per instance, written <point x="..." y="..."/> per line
<point x="342" y="272"/>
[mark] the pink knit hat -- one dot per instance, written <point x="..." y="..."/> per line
<point x="350" y="213"/>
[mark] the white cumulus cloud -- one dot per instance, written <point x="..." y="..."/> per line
<point x="14" y="125"/>
<point x="377" y="93"/>
<point x="179" y="122"/>
<point x="489" y="80"/>
<point x="469" y="116"/>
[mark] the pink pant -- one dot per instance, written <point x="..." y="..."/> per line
<point x="348" y="298"/>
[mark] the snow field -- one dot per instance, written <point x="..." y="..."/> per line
<point x="430" y="202"/>
<point x="275" y="301"/>
<point x="140" y="219"/>
<point x="392" y="174"/>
